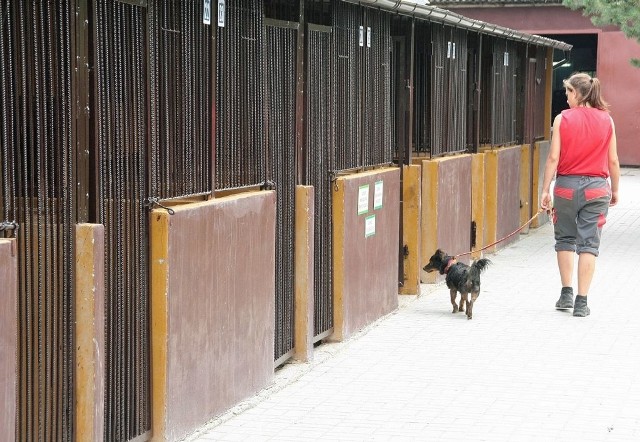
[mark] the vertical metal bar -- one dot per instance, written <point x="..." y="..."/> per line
<point x="301" y="147"/>
<point x="81" y="105"/>
<point x="412" y="67"/>
<point x="213" y="106"/>
<point x="479" y="95"/>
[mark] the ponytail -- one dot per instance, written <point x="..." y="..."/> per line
<point x="588" y="89"/>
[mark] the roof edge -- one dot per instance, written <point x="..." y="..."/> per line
<point x="432" y="13"/>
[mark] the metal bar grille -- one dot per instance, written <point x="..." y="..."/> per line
<point x="377" y="146"/>
<point x="400" y="78"/>
<point x="540" y="126"/>
<point x="440" y="51"/>
<point x="362" y="44"/>
<point x="121" y="75"/>
<point x="181" y="85"/>
<point x="503" y="93"/>
<point x="458" y="78"/>
<point x="422" y="87"/>
<point x="473" y="90"/>
<point x="346" y="29"/>
<point x="319" y="138"/>
<point x="448" y="90"/>
<point x="487" y="91"/>
<point x="521" y="109"/>
<point x="281" y="96"/>
<point x="240" y="150"/>
<point x="37" y="165"/>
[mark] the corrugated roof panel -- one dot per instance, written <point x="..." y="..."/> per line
<point x="421" y="10"/>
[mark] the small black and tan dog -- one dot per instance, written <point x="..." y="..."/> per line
<point x="460" y="278"/>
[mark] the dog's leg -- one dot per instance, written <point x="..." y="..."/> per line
<point x="453" y="293"/>
<point x="474" y="296"/>
<point x="464" y="299"/>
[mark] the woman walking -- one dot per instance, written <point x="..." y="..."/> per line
<point x="583" y="155"/>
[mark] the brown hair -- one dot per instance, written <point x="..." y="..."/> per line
<point x="588" y="90"/>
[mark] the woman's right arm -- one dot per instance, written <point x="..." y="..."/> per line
<point x="552" y="164"/>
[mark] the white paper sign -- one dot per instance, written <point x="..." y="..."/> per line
<point x="368" y="37"/>
<point x="363" y="199"/>
<point x="361" y="36"/>
<point x="370" y="225"/>
<point x="222" y="13"/>
<point x="206" y="12"/>
<point x="377" y="195"/>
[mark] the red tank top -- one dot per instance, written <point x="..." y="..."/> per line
<point x="585" y="134"/>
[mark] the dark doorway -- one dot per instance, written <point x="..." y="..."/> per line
<point x="583" y="58"/>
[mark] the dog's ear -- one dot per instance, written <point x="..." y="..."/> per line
<point x="440" y="253"/>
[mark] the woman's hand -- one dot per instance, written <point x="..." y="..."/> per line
<point x="545" y="200"/>
<point x="614" y="198"/>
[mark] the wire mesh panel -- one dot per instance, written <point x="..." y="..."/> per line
<point x="37" y="194"/>
<point x="346" y="39"/>
<point x="281" y="41"/>
<point x="121" y="74"/>
<point x="320" y="142"/>
<point x="181" y="88"/>
<point x="375" y="66"/>
<point x="240" y="155"/>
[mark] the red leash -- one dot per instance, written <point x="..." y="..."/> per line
<point x="506" y="237"/>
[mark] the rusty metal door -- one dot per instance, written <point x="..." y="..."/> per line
<point x="121" y="72"/>
<point x="38" y="207"/>
<point x="281" y="46"/>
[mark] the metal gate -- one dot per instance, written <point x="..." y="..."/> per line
<point x="37" y="206"/>
<point x="120" y="125"/>
<point x="319" y="165"/>
<point x="281" y="44"/>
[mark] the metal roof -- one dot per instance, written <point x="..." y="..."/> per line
<point x="419" y="9"/>
<point x="494" y="2"/>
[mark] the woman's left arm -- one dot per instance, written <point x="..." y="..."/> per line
<point x="614" y="166"/>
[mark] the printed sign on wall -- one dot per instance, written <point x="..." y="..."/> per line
<point x="370" y="226"/>
<point x="377" y="195"/>
<point x="363" y="199"/>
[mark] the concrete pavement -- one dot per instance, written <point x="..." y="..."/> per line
<point x="519" y="371"/>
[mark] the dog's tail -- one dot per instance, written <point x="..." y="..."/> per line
<point x="480" y="265"/>
<point x="474" y="273"/>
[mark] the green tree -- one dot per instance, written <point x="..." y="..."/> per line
<point x="625" y="14"/>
